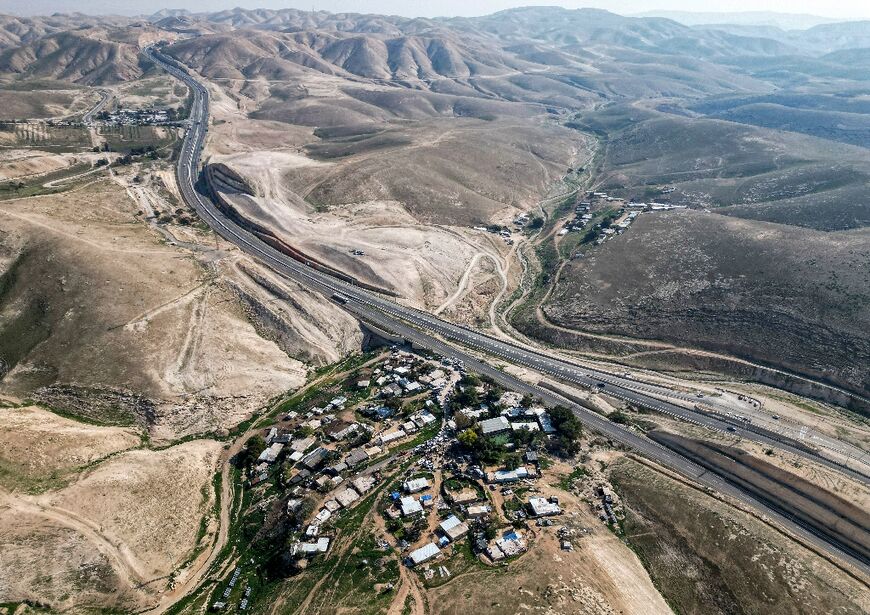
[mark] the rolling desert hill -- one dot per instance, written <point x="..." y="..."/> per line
<point x="82" y="50"/>
<point x="482" y="53"/>
<point x="740" y="169"/>
<point x="769" y="20"/>
<point x="253" y="53"/>
<point x="444" y="161"/>
<point x="767" y="264"/>
<point x="125" y="329"/>
<point x="17" y="31"/>
<point x="76" y="57"/>
<point x="469" y="121"/>
<point x="770" y="293"/>
<point x="729" y="135"/>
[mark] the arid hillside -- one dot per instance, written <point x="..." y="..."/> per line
<point x="85" y="53"/>
<point x="771" y="293"/>
<point x="182" y="429"/>
<point x="393" y="137"/>
<point x="124" y="328"/>
<point x="97" y="496"/>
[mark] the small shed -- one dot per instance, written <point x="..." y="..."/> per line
<point x="491" y="427"/>
<point x="453" y="528"/>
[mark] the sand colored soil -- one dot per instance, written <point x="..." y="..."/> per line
<point x="22" y="163"/>
<point x="601" y="576"/>
<point x="36" y="445"/>
<point x="151" y="501"/>
<point x="112" y="537"/>
<point x="424" y="263"/>
<point x="46" y="561"/>
<point x="38" y="103"/>
<point x="124" y="310"/>
<point x="160" y="91"/>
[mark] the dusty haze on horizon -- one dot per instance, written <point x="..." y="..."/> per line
<point x="846" y="10"/>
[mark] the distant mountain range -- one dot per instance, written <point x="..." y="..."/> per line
<point x="783" y="21"/>
<point x="586" y="52"/>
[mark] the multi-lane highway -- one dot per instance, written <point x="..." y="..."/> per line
<point x="642" y="394"/>
<point x="431" y="332"/>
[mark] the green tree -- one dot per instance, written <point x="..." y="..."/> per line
<point x="512" y="462"/>
<point x="467" y="396"/>
<point x="469" y="380"/>
<point x="468" y="438"/>
<point x="618" y="416"/>
<point x="568" y="431"/>
<point x="493" y="394"/>
<point x="565" y="446"/>
<point x="463" y="421"/>
<point x="253" y="447"/>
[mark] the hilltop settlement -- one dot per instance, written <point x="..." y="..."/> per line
<point x="443" y="465"/>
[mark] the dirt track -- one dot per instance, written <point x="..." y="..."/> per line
<point x="123" y="565"/>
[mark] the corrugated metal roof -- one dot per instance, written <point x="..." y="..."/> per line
<point x="426" y="552"/>
<point x="450" y="522"/>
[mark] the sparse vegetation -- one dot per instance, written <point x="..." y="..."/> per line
<point x="436" y="159"/>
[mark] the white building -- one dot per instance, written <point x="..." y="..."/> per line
<point x="271" y="454"/>
<point x="311" y="548"/>
<point x="526" y="426"/>
<point x="481" y="510"/>
<point x="347" y="497"/>
<point x="509" y="476"/>
<point x="491" y="427"/>
<point x="323" y="516"/>
<point x="415" y="485"/>
<point x="423" y="554"/>
<point x="453" y="528"/>
<point x="363" y="483"/>
<point x="541" y="507"/>
<point x="410" y="506"/>
<point x="390" y="436"/>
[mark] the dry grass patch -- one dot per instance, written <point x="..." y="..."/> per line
<point x="122" y="327"/>
<point x="707" y="557"/>
<point x="149" y="501"/>
<point x="38" y="447"/>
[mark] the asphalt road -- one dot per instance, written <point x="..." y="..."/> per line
<point x="105" y="97"/>
<point x="422" y="328"/>
<point x="630" y="390"/>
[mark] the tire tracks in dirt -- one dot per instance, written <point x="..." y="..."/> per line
<point x="122" y="562"/>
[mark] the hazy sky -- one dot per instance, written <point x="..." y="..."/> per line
<point x="841" y="9"/>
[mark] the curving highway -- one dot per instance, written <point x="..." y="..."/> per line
<point x="105" y="97"/>
<point x="428" y="331"/>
